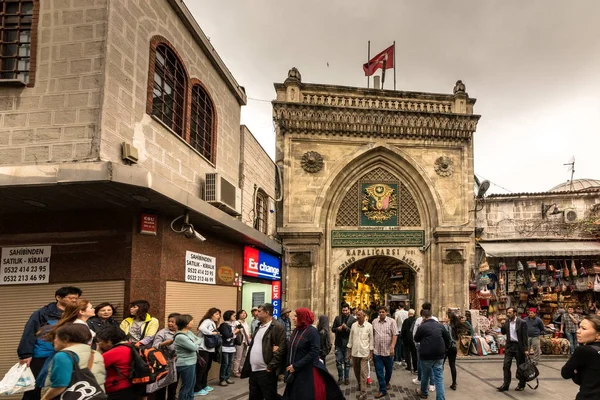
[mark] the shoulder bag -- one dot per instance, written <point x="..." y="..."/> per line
<point x="83" y="384"/>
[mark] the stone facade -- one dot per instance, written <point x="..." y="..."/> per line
<point x="258" y="172"/>
<point x="58" y="119"/>
<point x="357" y="132"/>
<point x="532" y="216"/>
<point x="124" y="116"/>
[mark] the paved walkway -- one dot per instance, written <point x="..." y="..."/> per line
<point x="478" y="378"/>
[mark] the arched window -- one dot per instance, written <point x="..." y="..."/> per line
<point x="202" y="119"/>
<point x="260" y="221"/>
<point x="168" y="95"/>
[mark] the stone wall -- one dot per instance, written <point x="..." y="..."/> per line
<point x="520" y="216"/>
<point x="124" y="117"/>
<point x="57" y="120"/>
<point x="257" y="168"/>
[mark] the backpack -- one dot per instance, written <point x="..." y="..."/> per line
<point x="148" y="365"/>
<point x="527" y="371"/>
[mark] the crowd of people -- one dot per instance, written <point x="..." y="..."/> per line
<point x="71" y="334"/>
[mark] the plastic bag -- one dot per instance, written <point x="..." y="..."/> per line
<point x="18" y="379"/>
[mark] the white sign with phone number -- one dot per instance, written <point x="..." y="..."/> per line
<point x="200" y="268"/>
<point x="25" y="265"/>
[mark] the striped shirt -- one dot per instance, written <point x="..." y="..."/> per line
<point x="383" y="333"/>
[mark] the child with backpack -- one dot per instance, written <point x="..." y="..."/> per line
<point x="117" y="360"/>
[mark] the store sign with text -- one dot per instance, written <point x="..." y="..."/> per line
<point x="276" y="298"/>
<point x="200" y="268"/>
<point x="261" y="265"/>
<point x="25" y="265"/>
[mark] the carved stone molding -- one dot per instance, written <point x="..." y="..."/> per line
<point x="444" y="166"/>
<point x="453" y="257"/>
<point x="311" y="162"/>
<point x="300" y="260"/>
<point x="298" y="118"/>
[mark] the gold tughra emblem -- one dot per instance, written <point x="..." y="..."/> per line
<point x="379" y="202"/>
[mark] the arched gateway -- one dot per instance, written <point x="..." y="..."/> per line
<point x="377" y="195"/>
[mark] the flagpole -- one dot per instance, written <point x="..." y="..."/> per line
<point x="394" y="65"/>
<point x="368" y="59"/>
<point x="383" y="74"/>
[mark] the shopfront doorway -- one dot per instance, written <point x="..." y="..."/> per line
<point x="375" y="281"/>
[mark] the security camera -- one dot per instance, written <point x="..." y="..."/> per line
<point x="190" y="232"/>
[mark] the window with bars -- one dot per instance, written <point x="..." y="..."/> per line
<point x="168" y="95"/>
<point x="16" y="27"/>
<point x="260" y="222"/>
<point x="202" y="122"/>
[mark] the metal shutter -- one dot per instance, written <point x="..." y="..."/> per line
<point x="20" y="301"/>
<point x="195" y="299"/>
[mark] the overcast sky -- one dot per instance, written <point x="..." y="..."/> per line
<point x="533" y="65"/>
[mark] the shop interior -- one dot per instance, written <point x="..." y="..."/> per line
<point x="377" y="281"/>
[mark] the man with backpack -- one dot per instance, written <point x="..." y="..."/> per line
<point x="35" y="351"/>
<point x="515" y="330"/>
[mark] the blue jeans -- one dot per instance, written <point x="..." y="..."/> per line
<point x="226" y="364"/>
<point x="341" y="361"/>
<point x="433" y="368"/>
<point x="383" y="377"/>
<point x="187" y="375"/>
<point x="572" y="337"/>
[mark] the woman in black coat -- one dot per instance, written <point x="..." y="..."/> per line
<point x="306" y="377"/>
<point x="584" y="365"/>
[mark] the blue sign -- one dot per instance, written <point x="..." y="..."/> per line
<point x="261" y="265"/>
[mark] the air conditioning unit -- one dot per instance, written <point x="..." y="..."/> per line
<point x="571" y="216"/>
<point x="222" y="194"/>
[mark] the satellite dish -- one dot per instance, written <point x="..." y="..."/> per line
<point x="485" y="185"/>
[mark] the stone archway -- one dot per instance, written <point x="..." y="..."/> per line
<point x="342" y="217"/>
<point x="328" y="137"/>
<point x="377" y="280"/>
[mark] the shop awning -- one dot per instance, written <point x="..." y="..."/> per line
<point x="526" y="249"/>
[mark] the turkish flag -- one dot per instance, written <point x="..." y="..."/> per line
<point x="378" y="61"/>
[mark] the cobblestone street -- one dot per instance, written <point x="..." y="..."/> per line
<point x="477" y="379"/>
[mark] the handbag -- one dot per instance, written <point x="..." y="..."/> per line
<point x="484" y="266"/>
<point x="597" y="284"/>
<point x="531" y="264"/>
<point x="83" y="384"/>
<point x="213" y="341"/>
<point x="527" y="371"/>
<point x="573" y="268"/>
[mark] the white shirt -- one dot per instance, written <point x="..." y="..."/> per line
<point x="513" y="330"/>
<point x="257" y="362"/>
<point x="400" y="316"/>
<point x="361" y="339"/>
<point x="78" y="321"/>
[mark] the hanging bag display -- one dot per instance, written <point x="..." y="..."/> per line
<point x="565" y="270"/>
<point x="531" y="264"/>
<point x="484" y="266"/>
<point x="541" y="266"/>
<point x="597" y="284"/>
<point x="83" y="384"/>
<point x="502" y="266"/>
<point x="520" y="266"/>
<point x="532" y="278"/>
<point x="573" y="268"/>
<point x="551" y="268"/>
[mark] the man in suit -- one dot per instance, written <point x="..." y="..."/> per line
<point x="515" y="330"/>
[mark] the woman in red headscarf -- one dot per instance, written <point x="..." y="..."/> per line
<point x="305" y="376"/>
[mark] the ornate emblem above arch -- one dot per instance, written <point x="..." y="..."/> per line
<point x="401" y="203"/>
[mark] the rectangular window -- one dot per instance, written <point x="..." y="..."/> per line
<point x="261" y="213"/>
<point x="16" y="24"/>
